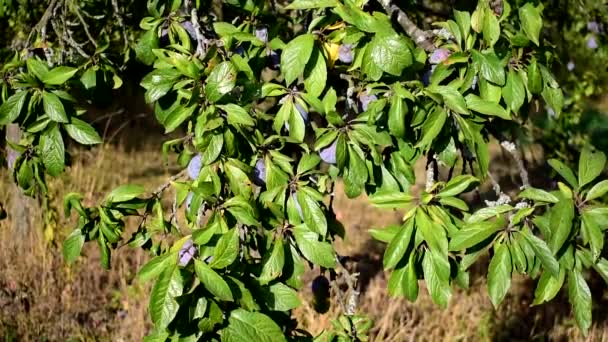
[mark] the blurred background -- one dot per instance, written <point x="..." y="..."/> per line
<point x="44" y="299"/>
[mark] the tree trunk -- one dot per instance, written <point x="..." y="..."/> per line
<point x="20" y="206"/>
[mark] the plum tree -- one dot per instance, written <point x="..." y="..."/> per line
<point x="366" y="90"/>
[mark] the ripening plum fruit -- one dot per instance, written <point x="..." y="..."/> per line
<point x="320" y="290"/>
<point x="365" y="100"/>
<point x="439" y="55"/>
<point x="345" y="53"/>
<point x="262" y="34"/>
<point x="194" y="166"/>
<point x="426" y="78"/>
<point x="187" y="25"/>
<point x="594" y="27"/>
<point x="570" y="66"/>
<point x="592" y="43"/>
<point x="275" y="60"/>
<point x="186" y="253"/>
<point x="259" y="173"/>
<point x="328" y="153"/>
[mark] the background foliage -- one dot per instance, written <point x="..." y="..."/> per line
<point x="268" y="106"/>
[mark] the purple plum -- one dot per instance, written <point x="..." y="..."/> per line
<point x="551" y="112"/>
<point x="426" y="78"/>
<point x="186" y="253"/>
<point x="275" y="59"/>
<point x="262" y="34"/>
<point x="187" y="25"/>
<point x="592" y="43"/>
<point x="570" y="66"/>
<point x="439" y="55"/>
<point x="259" y="173"/>
<point x="345" y="53"/>
<point x="365" y="100"/>
<point x="320" y="287"/>
<point x="194" y="166"/>
<point x="328" y="153"/>
<point x="594" y="27"/>
<point x="239" y="51"/>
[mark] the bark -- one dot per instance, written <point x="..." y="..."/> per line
<point x="20" y="206"/>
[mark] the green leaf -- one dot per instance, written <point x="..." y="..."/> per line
<point x="390" y="199"/>
<point x="542" y="252"/>
<point x="499" y="274"/>
<point x="212" y="281"/>
<point x="82" y="132"/>
<point x="452" y="98"/>
<point x="548" y="287"/>
<point x="432" y="126"/>
<point x="178" y="116"/>
<point x="213" y="150"/>
<point x="437" y="280"/>
<point x="309" y="4"/>
<point x="538" y="195"/>
<point x="398" y="245"/>
<point x="163" y="305"/>
<point x="156" y="266"/>
<point x="37" y="67"/>
<point x="294" y="57"/>
<point x="404" y="280"/>
<point x="561" y="224"/>
<point x="491" y="28"/>
<point x="11" y="108"/>
<point x="396" y="117"/>
<point x="245" y="326"/>
<point x="514" y="92"/>
<point x="479" y="105"/>
<point x="320" y="253"/>
<point x="535" y="81"/>
<point x="592" y="235"/>
<point x="457" y="185"/>
<point x="73" y="245"/>
<point x="590" y="165"/>
<point x="221" y="81"/>
<point x="226" y="250"/>
<point x="490" y="67"/>
<point x="564" y="171"/>
<point x="554" y="98"/>
<point x="273" y="267"/>
<point x="580" y="298"/>
<point x="315" y="74"/>
<point x="391" y="52"/>
<point x="473" y="234"/>
<point x="280" y="297"/>
<point x="597" y="191"/>
<point x="53" y="107"/>
<point x="59" y="75"/>
<point x="53" y="151"/>
<point x="313" y="215"/>
<point x="488" y="212"/>
<point x="385" y="234"/>
<point x="125" y="193"/>
<point x="531" y="21"/>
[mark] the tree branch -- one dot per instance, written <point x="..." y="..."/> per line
<point x="422" y="38"/>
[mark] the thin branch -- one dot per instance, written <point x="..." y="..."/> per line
<point x="422" y="38"/>
<point x="430" y="174"/>
<point x="523" y="173"/>
<point x="502" y="197"/>
<point x="120" y="22"/>
<point x="85" y="26"/>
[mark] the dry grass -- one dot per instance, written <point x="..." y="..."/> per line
<point x="41" y="298"/>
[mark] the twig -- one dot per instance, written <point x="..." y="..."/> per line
<point x="120" y="22"/>
<point x="85" y="27"/>
<point x="430" y="174"/>
<point x="523" y="173"/>
<point x="422" y="38"/>
<point x="201" y="42"/>
<point x="502" y="197"/>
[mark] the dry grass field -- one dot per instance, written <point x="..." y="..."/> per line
<point x="43" y="299"/>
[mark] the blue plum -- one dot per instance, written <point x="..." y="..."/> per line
<point x="194" y="167"/>
<point x="570" y="66"/>
<point x="439" y="55"/>
<point x="328" y="153"/>
<point x="262" y="34"/>
<point x="345" y="53"/>
<point x="365" y="100"/>
<point x="259" y="173"/>
<point x="186" y="253"/>
<point x="592" y="43"/>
